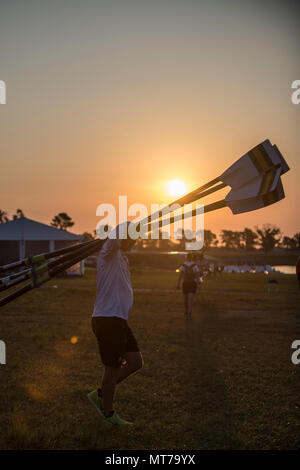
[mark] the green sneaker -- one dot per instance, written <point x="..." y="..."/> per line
<point x="116" y="420"/>
<point x="96" y="401"/>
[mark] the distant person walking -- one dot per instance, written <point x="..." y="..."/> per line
<point x="189" y="274"/>
<point x="118" y="347"/>
<point x="298" y="271"/>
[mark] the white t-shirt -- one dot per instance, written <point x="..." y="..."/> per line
<point x="114" y="290"/>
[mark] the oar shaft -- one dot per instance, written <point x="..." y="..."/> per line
<point x="209" y="208"/>
<point x="46" y="266"/>
<point x="215" y="206"/>
<point x="192" y="199"/>
<point x="40" y="258"/>
<point x="15" y="294"/>
<point x="67" y="264"/>
<point x="79" y="256"/>
<point x="7" y="283"/>
<point x="192" y="196"/>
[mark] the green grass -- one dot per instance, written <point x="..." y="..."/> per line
<point x="223" y="380"/>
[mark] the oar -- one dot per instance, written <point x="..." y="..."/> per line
<point x="258" y="161"/>
<point x="35" y="271"/>
<point x="262" y="192"/>
<point x="44" y="276"/>
<point x="41" y="258"/>
<point x="253" y="164"/>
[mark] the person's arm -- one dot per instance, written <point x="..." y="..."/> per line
<point x="110" y="248"/>
<point x="197" y="276"/>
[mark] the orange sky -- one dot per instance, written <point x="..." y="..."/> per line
<point x="114" y="98"/>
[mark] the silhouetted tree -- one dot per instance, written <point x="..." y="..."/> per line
<point x="288" y="242"/>
<point x="296" y="237"/>
<point x="210" y="239"/>
<point x="232" y="239"/>
<point x="86" y="237"/>
<point x="19" y="214"/>
<point x="249" y="237"/>
<point x="268" y="236"/>
<point x="292" y="243"/>
<point x="227" y="238"/>
<point x="62" y="221"/>
<point x="3" y="217"/>
<point x="237" y="240"/>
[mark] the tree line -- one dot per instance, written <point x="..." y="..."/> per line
<point x="267" y="237"/>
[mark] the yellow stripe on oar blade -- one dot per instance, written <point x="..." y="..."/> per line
<point x="260" y="158"/>
<point x="275" y="194"/>
<point x="267" y="181"/>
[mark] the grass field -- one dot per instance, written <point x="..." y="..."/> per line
<point x="222" y="380"/>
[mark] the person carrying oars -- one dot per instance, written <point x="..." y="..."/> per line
<point x="118" y="346"/>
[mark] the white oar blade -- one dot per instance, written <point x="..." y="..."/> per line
<point x="259" y="193"/>
<point x="262" y="184"/>
<point x="247" y="191"/>
<point x="254" y="163"/>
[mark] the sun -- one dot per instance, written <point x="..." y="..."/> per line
<point x="176" y="188"/>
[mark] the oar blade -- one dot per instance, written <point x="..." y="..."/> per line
<point x="283" y="163"/>
<point x="259" y="160"/>
<point x="261" y="192"/>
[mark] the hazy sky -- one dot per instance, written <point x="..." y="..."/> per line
<point x="106" y="98"/>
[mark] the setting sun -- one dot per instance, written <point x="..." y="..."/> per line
<point x="176" y="188"/>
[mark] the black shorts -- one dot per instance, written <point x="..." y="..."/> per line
<point x="115" y="338"/>
<point x="189" y="287"/>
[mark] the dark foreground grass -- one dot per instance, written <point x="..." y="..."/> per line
<point x="223" y="380"/>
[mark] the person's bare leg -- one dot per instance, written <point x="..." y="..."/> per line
<point x="190" y="303"/>
<point x="186" y="303"/>
<point x="108" y="386"/>
<point x="114" y="375"/>
<point x="134" y="362"/>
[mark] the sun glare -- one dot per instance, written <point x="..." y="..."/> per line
<point x="176" y="188"/>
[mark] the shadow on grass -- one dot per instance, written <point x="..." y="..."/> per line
<point x="210" y="420"/>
